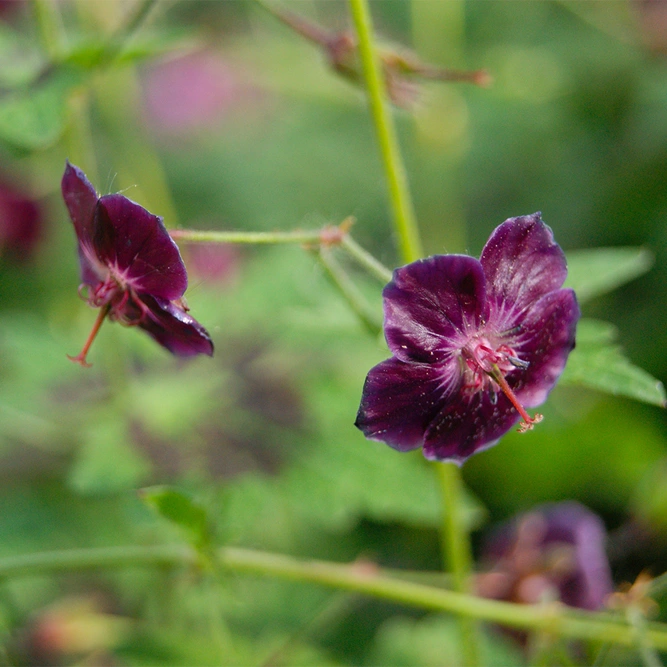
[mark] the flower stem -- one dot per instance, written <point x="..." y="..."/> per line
<point x="455" y="538"/>
<point x="456" y="551"/>
<point x="194" y="236"/>
<point x="367" y="579"/>
<point x="349" y="290"/>
<point x="397" y="182"/>
<point x="380" y="271"/>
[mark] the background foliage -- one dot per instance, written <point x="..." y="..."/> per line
<point x="262" y="437"/>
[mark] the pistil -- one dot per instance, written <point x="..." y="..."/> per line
<point x="528" y="422"/>
<point x="81" y="357"/>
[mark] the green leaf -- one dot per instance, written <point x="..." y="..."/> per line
<point x="34" y="117"/>
<point x="106" y="462"/>
<point x="598" y="362"/>
<point x="601" y="270"/>
<point x="181" y="510"/>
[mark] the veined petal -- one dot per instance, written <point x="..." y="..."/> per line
<point x="81" y="199"/>
<point x="174" y="329"/>
<point x="549" y="331"/>
<point x="136" y="242"/>
<point x="522" y="263"/>
<point x="432" y="303"/>
<point x="400" y="400"/>
<point x="468" y="424"/>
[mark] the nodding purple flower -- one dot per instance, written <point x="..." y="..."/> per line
<point x="130" y="268"/>
<point x="474" y="343"/>
<point x="554" y="552"/>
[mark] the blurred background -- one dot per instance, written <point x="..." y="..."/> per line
<point x="215" y="115"/>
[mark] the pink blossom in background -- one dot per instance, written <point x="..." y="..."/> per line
<point x="192" y="92"/>
<point x="213" y="263"/>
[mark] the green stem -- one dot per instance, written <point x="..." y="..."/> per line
<point x="193" y="236"/>
<point x="366" y="579"/>
<point x="50" y="27"/>
<point x="123" y="35"/>
<point x="456" y="549"/>
<point x="349" y="290"/>
<point x="456" y="538"/>
<point x="397" y="182"/>
<point x="380" y="271"/>
<point x="649" y="655"/>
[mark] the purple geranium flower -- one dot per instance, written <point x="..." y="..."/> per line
<point x="474" y="344"/>
<point x="556" y="551"/>
<point x="131" y="267"/>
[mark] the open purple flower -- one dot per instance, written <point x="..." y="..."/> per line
<point x="554" y="552"/>
<point x="131" y="268"/>
<point x="475" y="342"/>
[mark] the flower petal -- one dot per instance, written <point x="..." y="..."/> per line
<point x="137" y="243"/>
<point x="174" y="329"/>
<point x="547" y="338"/>
<point x="399" y="401"/>
<point x="467" y="425"/>
<point x="429" y="304"/>
<point x="522" y="262"/>
<point x="81" y="200"/>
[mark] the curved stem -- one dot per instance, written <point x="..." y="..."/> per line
<point x="380" y="271"/>
<point x="194" y="236"/>
<point x="397" y="182"/>
<point x="359" y="577"/>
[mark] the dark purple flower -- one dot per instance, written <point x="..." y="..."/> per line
<point x="474" y="344"/>
<point x="131" y="267"/>
<point x="21" y="222"/>
<point x="555" y="552"/>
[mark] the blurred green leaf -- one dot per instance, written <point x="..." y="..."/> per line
<point x="34" y="117"/>
<point x="181" y="510"/>
<point x="434" y="642"/>
<point x="106" y="462"/>
<point x="600" y="270"/>
<point x="598" y="362"/>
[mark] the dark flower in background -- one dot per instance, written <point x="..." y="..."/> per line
<point x="21" y="222"/>
<point x="131" y="267"/>
<point x="475" y="342"/>
<point x="555" y="552"/>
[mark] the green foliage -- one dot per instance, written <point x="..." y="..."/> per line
<point x="598" y="362"/>
<point x="34" y="117"/>
<point x="598" y="271"/>
<point x="181" y="510"/>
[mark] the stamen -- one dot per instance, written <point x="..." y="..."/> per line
<point x="518" y="363"/>
<point x="528" y="421"/>
<point x="81" y="357"/>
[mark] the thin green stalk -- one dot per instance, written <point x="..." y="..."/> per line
<point x="192" y="236"/>
<point x="368" y="580"/>
<point x="456" y="538"/>
<point x="50" y="27"/>
<point x="649" y="655"/>
<point x="349" y="290"/>
<point x="380" y="271"/>
<point x="123" y="35"/>
<point x="395" y="174"/>
<point x="456" y="550"/>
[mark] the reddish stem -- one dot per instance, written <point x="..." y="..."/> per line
<point x="81" y="357"/>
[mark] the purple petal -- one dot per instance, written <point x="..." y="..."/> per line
<point x="430" y="303"/>
<point x="81" y="200"/>
<point x="467" y="425"/>
<point x="174" y="329"/>
<point x="547" y="339"/>
<point x="400" y="400"/>
<point x="522" y="262"/>
<point x="591" y="582"/>
<point x="137" y="243"/>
